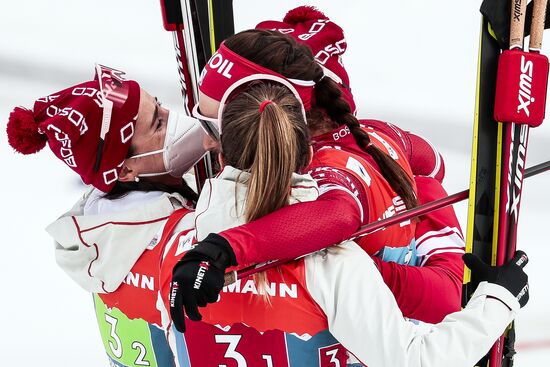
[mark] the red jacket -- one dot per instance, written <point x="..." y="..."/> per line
<point x="299" y="229"/>
<point x="339" y="163"/>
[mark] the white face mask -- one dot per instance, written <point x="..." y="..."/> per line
<point x="182" y="145"/>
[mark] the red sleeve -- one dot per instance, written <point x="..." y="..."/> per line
<point x="427" y="293"/>
<point x="433" y="290"/>
<point x="424" y="158"/>
<point x="299" y="229"/>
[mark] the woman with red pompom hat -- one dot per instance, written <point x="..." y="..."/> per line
<point x="324" y="293"/>
<point x="132" y="152"/>
<point x="112" y="133"/>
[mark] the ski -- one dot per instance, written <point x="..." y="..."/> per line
<point x="485" y="174"/>
<point x="197" y="28"/>
<point x="486" y="158"/>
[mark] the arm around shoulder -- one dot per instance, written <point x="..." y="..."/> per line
<point x="363" y="315"/>
<point x="296" y="230"/>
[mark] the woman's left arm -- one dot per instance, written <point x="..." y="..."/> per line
<point x="427" y="293"/>
<point x="432" y="290"/>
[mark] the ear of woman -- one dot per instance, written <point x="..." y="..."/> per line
<point x="127" y="174"/>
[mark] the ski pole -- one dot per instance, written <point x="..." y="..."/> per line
<point x="188" y="60"/>
<point x="515" y="148"/>
<point x="233" y="276"/>
<point x="522" y="77"/>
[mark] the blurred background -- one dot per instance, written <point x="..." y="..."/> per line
<point x="410" y="63"/>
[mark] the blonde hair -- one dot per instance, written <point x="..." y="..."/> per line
<point x="265" y="134"/>
<point x="270" y="144"/>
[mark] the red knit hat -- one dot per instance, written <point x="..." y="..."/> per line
<point x="325" y="39"/>
<point x="70" y="122"/>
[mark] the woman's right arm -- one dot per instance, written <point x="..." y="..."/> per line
<point x="288" y="233"/>
<point x="299" y="229"/>
<point x="364" y="317"/>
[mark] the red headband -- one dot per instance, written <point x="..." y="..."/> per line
<point x="225" y="68"/>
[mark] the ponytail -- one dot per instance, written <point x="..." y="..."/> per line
<point x="271" y="171"/>
<point x="264" y="133"/>
<point x="269" y="140"/>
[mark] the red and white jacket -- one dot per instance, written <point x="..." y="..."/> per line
<point x="338" y="163"/>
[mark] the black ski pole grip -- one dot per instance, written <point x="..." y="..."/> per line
<point x="523" y="260"/>
<point x="172" y="17"/>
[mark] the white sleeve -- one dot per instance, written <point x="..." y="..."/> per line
<point x="98" y="251"/>
<point x="363" y="315"/>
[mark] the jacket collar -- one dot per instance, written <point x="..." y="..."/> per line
<point x="223" y="199"/>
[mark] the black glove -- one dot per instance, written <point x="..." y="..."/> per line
<point x="510" y="275"/>
<point x="197" y="279"/>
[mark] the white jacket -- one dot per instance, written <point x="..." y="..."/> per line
<point x="97" y="251"/>
<point x="361" y="311"/>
